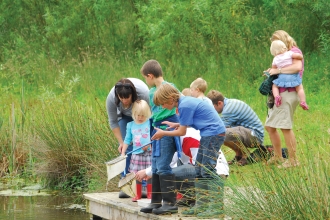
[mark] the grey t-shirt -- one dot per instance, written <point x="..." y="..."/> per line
<point x="115" y="112"/>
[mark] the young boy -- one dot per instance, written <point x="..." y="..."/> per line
<point x="202" y="116"/>
<point x="163" y="179"/>
<point x="198" y="88"/>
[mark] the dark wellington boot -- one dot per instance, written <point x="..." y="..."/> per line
<point x="167" y="185"/>
<point x="156" y="197"/>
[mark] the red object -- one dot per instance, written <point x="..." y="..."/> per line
<point x="138" y="192"/>
<point x="189" y="142"/>
<point x="179" y="196"/>
<point x="149" y="190"/>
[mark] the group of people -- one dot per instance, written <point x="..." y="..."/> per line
<point x="149" y="123"/>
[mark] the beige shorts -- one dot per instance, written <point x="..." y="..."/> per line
<point x="243" y="135"/>
<point x="282" y="116"/>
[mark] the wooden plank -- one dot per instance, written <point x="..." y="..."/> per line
<point x="108" y="206"/>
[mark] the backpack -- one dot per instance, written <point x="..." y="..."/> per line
<point x="266" y="86"/>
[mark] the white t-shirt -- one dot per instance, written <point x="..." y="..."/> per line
<point x="222" y="165"/>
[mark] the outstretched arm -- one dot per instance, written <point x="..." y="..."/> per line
<point x="294" y="68"/>
<point x="180" y="131"/>
<point x="123" y="150"/>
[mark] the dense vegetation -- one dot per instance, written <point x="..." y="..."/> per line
<point x="59" y="59"/>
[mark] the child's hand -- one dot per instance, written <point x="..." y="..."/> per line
<point x="171" y="125"/>
<point x="123" y="154"/>
<point x="146" y="147"/>
<point x="158" y="135"/>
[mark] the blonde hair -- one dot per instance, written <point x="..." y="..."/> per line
<point x="165" y="93"/>
<point x="200" y="84"/>
<point x="277" y="47"/>
<point x="285" y="37"/>
<point x="141" y="107"/>
<point x="186" y="92"/>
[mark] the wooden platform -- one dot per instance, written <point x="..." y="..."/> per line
<point x="108" y="206"/>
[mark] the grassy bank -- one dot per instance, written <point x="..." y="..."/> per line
<point x="54" y="129"/>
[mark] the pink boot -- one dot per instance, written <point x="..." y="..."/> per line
<point x="278" y="101"/>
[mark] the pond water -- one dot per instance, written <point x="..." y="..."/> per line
<point x="33" y="202"/>
<point x="42" y="208"/>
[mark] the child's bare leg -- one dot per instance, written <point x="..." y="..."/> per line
<point x="302" y="97"/>
<point x="275" y="90"/>
<point x="276" y="93"/>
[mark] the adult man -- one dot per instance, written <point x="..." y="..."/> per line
<point x="243" y="127"/>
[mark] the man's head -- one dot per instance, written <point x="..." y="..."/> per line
<point x="217" y="99"/>
<point x="197" y="87"/>
<point x="151" y="70"/>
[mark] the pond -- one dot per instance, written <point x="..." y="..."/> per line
<point x="41" y="207"/>
<point x="32" y="203"/>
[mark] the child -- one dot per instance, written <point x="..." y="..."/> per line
<point x="200" y="115"/>
<point x="138" y="133"/>
<point x="186" y="92"/>
<point x="198" y="88"/>
<point x="283" y="58"/>
<point x="200" y="83"/>
<point x="163" y="179"/>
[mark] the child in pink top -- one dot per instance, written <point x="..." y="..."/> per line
<point x="283" y="58"/>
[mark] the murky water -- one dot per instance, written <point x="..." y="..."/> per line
<point x="42" y="208"/>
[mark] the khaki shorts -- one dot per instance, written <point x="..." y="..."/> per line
<point x="243" y="135"/>
<point x="282" y="116"/>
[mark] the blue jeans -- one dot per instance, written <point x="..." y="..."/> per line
<point x="207" y="156"/>
<point x="122" y="125"/>
<point x="184" y="176"/>
<point x="161" y="164"/>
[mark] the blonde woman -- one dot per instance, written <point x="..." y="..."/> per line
<point x="282" y="117"/>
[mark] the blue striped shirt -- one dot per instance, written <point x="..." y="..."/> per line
<point x="238" y="113"/>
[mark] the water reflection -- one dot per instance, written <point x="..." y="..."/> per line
<point x="41" y="208"/>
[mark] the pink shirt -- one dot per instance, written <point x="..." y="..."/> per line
<point x="283" y="60"/>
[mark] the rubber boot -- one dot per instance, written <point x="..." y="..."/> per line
<point x="138" y="192"/>
<point x="201" y="195"/>
<point x="215" y="207"/>
<point x="144" y="188"/>
<point x="156" y="197"/>
<point x="149" y="191"/>
<point x="167" y="185"/>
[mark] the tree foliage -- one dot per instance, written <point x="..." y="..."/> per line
<point x="170" y="30"/>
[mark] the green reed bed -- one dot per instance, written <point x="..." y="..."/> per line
<point x="267" y="192"/>
<point x="72" y="142"/>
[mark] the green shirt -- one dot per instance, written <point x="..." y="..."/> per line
<point x="158" y="112"/>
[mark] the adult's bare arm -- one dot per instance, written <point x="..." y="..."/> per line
<point x="117" y="133"/>
<point x="294" y="68"/>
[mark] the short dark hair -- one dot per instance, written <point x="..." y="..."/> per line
<point x="215" y="96"/>
<point x="152" y="67"/>
<point x="123" y="89"/>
